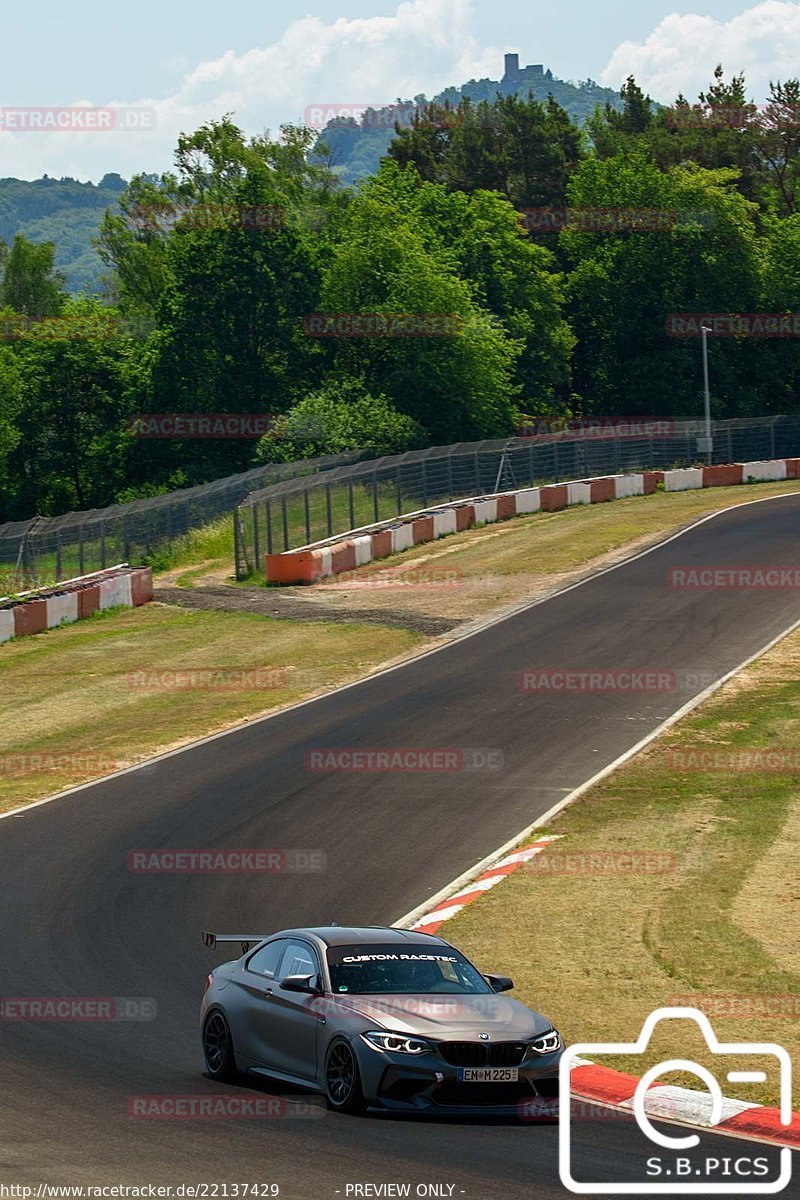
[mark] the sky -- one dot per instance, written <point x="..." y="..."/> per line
<point x="174" y="65"/>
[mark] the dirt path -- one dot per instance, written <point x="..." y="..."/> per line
<point x="269" y="602"/>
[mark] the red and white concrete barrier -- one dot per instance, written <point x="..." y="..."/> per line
<point x="628" y="485"/>
<point x="392" y="537"/>
<point x="759" y="472"/>
<point x="683" y="479"/>
<point x="62" y="609"/>
<point x="74" y="599"/>
<point x="444" y="522"/>
<point x="6" y="624"/>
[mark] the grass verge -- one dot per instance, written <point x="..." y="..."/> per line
<point x="86" y="699"/>
<point x="710" y="918"/>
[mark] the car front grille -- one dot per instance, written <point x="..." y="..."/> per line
<point x="478" y="1054"/>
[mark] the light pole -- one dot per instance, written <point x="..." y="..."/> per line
<point x="705" y="445"/>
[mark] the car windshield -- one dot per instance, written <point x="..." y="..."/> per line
<point x="405" y="969"/>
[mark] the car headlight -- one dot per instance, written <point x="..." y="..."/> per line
<point x="547" y="1043"/>
<point x="395" y="1043"/>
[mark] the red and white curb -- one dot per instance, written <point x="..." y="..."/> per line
<point x="614" y="1089"/>
<point x="602" y="1085"/>
<point x="483" y="883"/>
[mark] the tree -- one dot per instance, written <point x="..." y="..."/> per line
<point x="10" y="402"/>
<point x="777" y="148"/>
<point x="453" y="373"/>
<point x="31" y="285"/>
<point x="520" y="147"/>
<point x="623" y="286"/>
<point x="512" y="277"/>
<point x="72" y="410"/>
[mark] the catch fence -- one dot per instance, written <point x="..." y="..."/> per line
<point x="294" y="513"/>
<point x="44" y="550"/>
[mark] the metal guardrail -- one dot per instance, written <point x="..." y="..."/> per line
<point x="294" y="513"/>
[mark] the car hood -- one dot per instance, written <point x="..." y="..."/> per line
<point x="443" y="1015"/>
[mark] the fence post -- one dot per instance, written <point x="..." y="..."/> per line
<point x="285" y="520"/>
<point x="530" y="462"/>
<point x="424" y="483"/>
<point x="256" y="546"/>
<point x="328" y="509"/>
<point x="450" y="488"/>
<point x="477" y="475"/>
<point x="352" y="509"/>
<point x="307" y="515"/>
<point x="237" y="550"/>
<point x="268" y="518"/>
<point x="399" y="485"/>
<point x="81" y="567"/>
<point x="126" y="550"/>
<point x="375" y="506"/>
<point x="103" y="545"/>
<point x="58" y="556"/>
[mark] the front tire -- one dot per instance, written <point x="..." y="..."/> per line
<point x="343" y="1090"/>
<point x="218" y="1047"/>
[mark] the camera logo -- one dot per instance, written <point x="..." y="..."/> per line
<point x="699" y="1174"/>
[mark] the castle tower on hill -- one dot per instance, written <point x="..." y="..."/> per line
<point x="514" y="74"/>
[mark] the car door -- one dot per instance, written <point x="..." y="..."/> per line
<point x="294" y="1016"/>
<point x="251" y="1010"/>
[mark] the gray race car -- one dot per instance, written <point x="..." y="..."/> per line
<point x="377" y="1018"/>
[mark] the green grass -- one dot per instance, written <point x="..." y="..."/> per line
<point x="212" y="541"/>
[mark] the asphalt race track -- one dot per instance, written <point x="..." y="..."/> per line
<point x="75" y="921"/>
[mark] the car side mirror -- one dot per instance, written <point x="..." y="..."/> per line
<point x="301" y="983"/>
<point x="499" y="983"/>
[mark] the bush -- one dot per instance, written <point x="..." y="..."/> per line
<point x="341" y="416"/>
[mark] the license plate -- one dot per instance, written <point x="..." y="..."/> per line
<point x="488" y="1074"/>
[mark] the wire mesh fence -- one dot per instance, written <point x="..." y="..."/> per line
<point x="282" y="506"/>
<point x="44" y="550"/>
<point x="294" y="513"/>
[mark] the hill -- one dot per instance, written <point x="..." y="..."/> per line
<point x="355" y="147"/>
<point x="63" y="211"/>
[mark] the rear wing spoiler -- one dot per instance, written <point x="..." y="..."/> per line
<point x="245" y="940"/>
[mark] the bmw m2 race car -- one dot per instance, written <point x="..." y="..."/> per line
<point x="376" y="1018"/>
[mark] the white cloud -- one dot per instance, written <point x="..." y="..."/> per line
<point x="681" y="53"/>
<point x="425" y="46"/>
